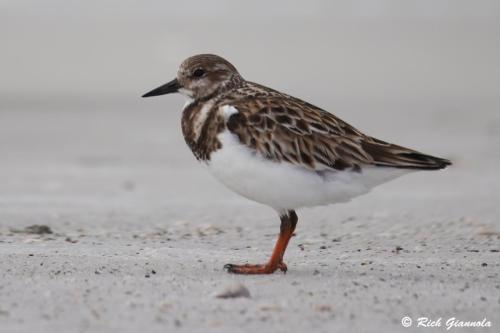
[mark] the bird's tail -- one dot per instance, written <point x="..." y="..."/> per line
<point x="390" y="155"/>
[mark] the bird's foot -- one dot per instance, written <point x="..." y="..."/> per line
<point x="255" y="269"/>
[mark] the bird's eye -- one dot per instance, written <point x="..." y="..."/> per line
<point x="198" y="73"/>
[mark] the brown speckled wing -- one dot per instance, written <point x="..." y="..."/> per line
<point x="285" y="129"/>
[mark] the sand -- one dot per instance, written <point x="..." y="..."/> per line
<point x="140" y="231"/>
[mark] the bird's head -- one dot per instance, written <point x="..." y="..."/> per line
<point x="199" y="77"/>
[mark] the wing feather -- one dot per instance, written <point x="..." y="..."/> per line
<point x="283" y="128"/>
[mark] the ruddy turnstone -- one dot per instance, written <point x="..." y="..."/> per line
<point x="278" y="150"/>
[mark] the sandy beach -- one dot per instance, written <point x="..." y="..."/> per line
<point x="140" y="232"/>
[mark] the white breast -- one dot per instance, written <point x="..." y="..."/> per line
<point x="286" y="186"/>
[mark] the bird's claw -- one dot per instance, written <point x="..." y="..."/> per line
<point x="255" y="269"/>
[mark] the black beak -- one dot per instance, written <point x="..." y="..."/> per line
<point x="168" y="88"/>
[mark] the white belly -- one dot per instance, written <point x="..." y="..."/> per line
<point x="285" y="186"/>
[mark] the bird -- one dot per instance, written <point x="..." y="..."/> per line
<point x="279" y="150"/>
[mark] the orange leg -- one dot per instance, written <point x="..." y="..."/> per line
<point x="288" y="222"/>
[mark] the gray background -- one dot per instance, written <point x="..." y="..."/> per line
<point x="109" y="172"/>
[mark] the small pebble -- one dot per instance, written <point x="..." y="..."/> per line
<point x="323" y="308"/>
<point x="37" y="229"/>
<point x="234" y="291"/>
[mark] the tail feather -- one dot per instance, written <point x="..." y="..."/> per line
<point x="390" y="155"/>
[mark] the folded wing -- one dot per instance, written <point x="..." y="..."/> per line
<point x="285" y="129"/>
